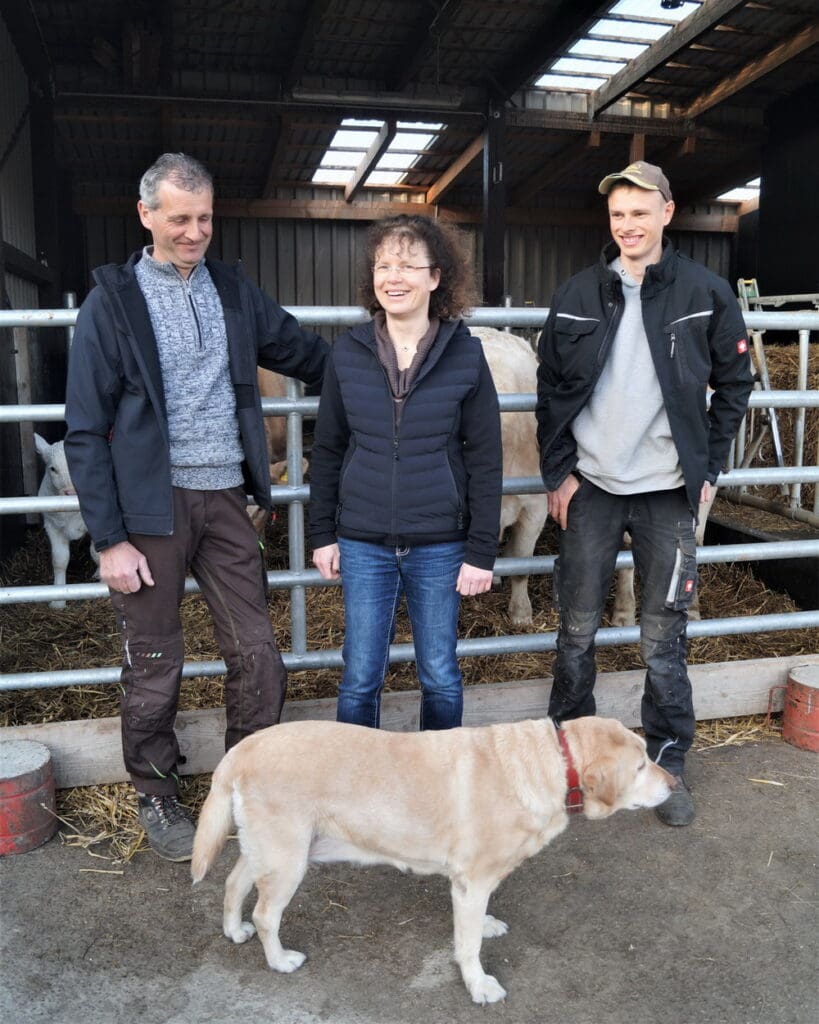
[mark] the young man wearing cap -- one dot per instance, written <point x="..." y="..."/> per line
<point x="628" y="443"/>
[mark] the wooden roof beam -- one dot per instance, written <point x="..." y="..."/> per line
<point x="558" y="29"/>
<point x="555" y="167"/>
<point x="455" y="170"/>
<point x="660" y="52"/>
<point x="723" y="178"/>
<point x="281" y="127"/>
<point x="406" y="63"/>
<point x="377" y="148"/>
<point x="310" y="27"/>
<point x="775" y="58"/>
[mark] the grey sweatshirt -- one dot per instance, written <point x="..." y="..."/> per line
<point x="623" y="436"/>
<point x="189" y="326"/>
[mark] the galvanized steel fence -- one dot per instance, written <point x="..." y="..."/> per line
<point x="297" y="578"/>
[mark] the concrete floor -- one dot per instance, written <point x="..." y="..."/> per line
<point x="623" y="921"/>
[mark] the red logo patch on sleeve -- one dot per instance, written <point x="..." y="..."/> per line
<point x="742" y="346"/>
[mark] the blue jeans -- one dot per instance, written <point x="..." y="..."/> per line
<point x="373" y="578"/>
<point x="662" y="534"/>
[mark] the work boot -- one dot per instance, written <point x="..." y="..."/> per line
<point x="678" y="809"/>
<point x="168" y="825"/>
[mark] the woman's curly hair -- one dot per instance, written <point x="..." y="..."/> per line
<point x="449" y="252"/>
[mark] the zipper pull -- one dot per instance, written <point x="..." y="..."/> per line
<point x="673" y="343"/>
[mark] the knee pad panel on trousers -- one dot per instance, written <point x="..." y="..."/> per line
<point x="152" y="669"/>
<point x="579" y="627"/>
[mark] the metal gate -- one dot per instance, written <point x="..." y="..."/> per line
<point x="297" y="577"/>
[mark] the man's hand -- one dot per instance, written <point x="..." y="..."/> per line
<point x="124" y="569"/>
<point x="559" y="500"/>
<point x="706" y="492"/>
<point x="328" y="561"/>
<point x="472" y="580"/>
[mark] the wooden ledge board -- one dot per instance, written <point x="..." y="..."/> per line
<point x="88" y="753"/>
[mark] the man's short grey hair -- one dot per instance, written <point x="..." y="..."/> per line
<point x="181" y="170"/>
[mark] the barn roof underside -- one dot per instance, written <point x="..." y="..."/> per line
<point x="258" y="91"/>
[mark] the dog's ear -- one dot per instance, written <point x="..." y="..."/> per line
<point x="599" y="782"/>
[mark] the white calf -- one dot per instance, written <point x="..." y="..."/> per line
<point x="61" y="527"/>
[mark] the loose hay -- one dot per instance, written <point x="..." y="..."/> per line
<point x="102" y="819"/>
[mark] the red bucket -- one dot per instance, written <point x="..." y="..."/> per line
<point x="27" y="805"/>
<point x="800" y="711"/>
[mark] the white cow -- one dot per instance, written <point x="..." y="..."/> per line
<point x="514" y="369"/>
<point x="61" y="527"/>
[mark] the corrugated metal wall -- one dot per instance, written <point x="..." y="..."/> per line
<point x="16" y="190"/>
<point x="17" y="466"/>
<point x="315" y="262"/>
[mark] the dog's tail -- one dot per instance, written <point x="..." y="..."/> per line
<point x="215" y="820"/>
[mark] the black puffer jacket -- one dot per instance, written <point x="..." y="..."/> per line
<point x="435" y="476"/>
<point x="697" y="338"/>
<point x="117" y="442"/>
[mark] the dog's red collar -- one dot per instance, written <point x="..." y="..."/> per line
<point x="574" y="794"/>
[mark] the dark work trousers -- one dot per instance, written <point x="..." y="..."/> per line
<point x="214" y="540"/>
<point x="662" y="532"/>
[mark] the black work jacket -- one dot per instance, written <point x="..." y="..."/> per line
<point x="697" y="339"/>
<point x="117" y="442"/>
<point x="433" y="475"/>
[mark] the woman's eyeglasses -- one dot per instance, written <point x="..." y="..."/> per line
<point x="403" y="269"/>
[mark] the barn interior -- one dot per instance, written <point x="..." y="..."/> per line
<point x="318" y="117"/>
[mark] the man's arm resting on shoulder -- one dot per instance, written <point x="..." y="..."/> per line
<point x="286" y="347"/>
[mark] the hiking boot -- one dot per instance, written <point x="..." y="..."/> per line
<point x="168" y="825"/>
<point x="678" y="809"/>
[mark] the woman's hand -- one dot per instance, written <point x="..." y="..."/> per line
<point x="472" y="580"/>
<point x="328" y="561"/>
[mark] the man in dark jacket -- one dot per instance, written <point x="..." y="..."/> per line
<point x="629" y="442"/>
<point x="165" y="436"/>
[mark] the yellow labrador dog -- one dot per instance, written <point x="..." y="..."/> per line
<point x="470" y="803"/>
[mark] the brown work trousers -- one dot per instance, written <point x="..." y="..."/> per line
<point x="214" y="540"/>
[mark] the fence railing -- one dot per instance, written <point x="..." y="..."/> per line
<point x="297" y="578"/>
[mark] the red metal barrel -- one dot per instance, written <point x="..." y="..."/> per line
<point x="27" y="806"/>
<point x="800" y="711"/>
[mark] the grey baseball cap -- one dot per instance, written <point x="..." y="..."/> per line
<point x="641" y="174"/>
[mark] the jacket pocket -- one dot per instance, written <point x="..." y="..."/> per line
<point x="687" y="347"/>
<point x="572" y="328"/>
<point x="344" y="477"/>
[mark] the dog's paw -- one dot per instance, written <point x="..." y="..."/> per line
<point x="487" y="990"/>
<point x="288" y="960"/>
<point x="240" y="933"/>
<point x="492" y="927"/>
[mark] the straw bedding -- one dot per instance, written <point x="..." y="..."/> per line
<point x="34" y="637"/>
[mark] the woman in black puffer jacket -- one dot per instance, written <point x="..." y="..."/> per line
<point x="406" y="468"/>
